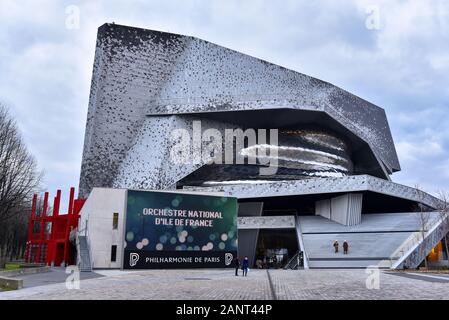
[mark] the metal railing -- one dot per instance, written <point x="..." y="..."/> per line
<point x="414" y="241"/>
<point x="301" y="245"/>
<point x="83" y="253"/>
<point x="296" y="262"/>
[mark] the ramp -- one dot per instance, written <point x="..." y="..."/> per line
<point x="386" y="240"/>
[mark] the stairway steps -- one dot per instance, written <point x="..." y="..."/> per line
<point x="348" y="264"/>
<point x="85" y="263"/>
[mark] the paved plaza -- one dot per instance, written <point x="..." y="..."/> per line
<point x="222" y="284"/>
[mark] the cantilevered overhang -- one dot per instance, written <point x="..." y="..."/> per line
<point x="325" y="186"/>
<point x="366" y="161"/>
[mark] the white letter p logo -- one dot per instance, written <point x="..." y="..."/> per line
<point x="133" y="258"/>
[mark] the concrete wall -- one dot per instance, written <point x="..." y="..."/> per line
<point x="96" y="223"/>
<point x="247" y="237"/>
<point x="323" y="208"/>
<point x="249" y="209"/>
<point x="345" y="209"/>
<point x="247" y="244"/>
<point x="266" y="222"/>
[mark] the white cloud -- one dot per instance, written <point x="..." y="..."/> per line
<point x="404" y="67"/>
<point x="445" y="169"/>
<point x="412" y="151"/>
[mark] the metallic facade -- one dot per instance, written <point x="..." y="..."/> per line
<point x="146" y="84"/>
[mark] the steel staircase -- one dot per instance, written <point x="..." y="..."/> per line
<point x="415" y="249"/>
<point x="84" y="262"/>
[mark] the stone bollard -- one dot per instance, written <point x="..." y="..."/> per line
<point x="10" y="283"/>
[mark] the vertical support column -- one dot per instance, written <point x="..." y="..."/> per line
<point x="247" y="244"/>
<point x="51" y="246"/>
<point x="56" y="206"/>
<point x="67" y="227"/>
<point x="57" y="203"/>
<point x="247" y="239"/>
<point x="71" y="199"/>
<point x="354" y="209"/>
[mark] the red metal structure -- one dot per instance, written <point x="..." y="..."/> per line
<point x="49" y="234"/>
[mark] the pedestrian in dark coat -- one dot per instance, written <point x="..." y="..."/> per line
<point x="336" y="246"/>
<point x="345" y="247"/>
<point x="236" y="266"/>
<point x="245" y="266"/>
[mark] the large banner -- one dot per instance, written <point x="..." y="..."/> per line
<point x="177" y="230"/>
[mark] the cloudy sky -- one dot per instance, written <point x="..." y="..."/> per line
<point x="394" y="54"/>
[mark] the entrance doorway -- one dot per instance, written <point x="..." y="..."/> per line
<point x="275" y="247"/>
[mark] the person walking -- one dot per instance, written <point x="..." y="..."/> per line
<point x="345" y="247"/>
<point x="236" y="266"/>
<point x="336" y="246"/>
<point x="245" y="265"/>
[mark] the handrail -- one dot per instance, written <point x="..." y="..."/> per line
<point x="301" y="243"/>
<point x="415" y="240"/>
<point x="294" y="263"/>
<point x="79" y="262"/>
<point x="78" y="251"/>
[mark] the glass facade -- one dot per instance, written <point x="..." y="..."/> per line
<point x="301" y="153"/>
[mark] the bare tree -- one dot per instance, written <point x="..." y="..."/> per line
<point x="444" y="216"/>
<point x="19" y="179"/>
<point x="423" y="221"/>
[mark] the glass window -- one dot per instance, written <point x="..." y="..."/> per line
<point x="113" y="253"/>
<point x="115" y="221"/>
<point x="36" y="227"/>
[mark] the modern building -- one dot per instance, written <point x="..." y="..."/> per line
<point x="334" y="154"/>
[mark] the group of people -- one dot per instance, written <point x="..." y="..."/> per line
<point x="245" y="263"/>
<point x="245" y="266"/>
<point x="261" y="264"/>
<point x="345" y="246"/>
